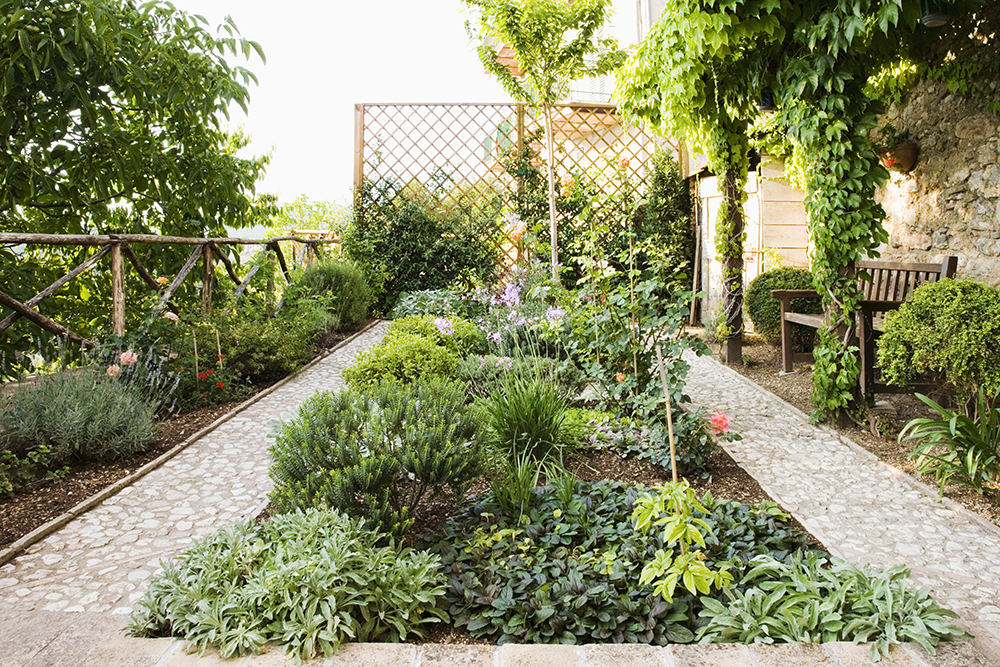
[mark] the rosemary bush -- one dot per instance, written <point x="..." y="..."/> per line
<point x="377" y="454"/>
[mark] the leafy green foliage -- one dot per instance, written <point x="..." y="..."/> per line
<point x="957" y="447"/>
<point x="77" y="416"/>
<point x="308" y="581"/>
<point x="949" y="327"/>
<point x="112" y="121"/>
<point x="18" y="474"/>
<point x="765" y="311"/>
<point x="403" y="358"/>
<point x="615" y="328"/>
<point x="305" y="214"/>
<point x="803" y="600"/>
<point x="377" y="454"/>
<point x="455" y="334"/>
<point x="567" y="568"/>
<point x="345" y="282"/>
<point x="673" y="508"/>
<point x="666" y="235"/>
<point x="440" y="302"/>
<point x="528" y="415"/>
<point x="484" y="375"/>
<point x="404" y="245"/>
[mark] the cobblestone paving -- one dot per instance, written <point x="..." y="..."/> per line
<point x="863" y="510"/>
<point x="101" y="561"/>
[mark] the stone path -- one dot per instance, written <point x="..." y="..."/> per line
<point x="862" y="509"/>
<point x="97" y="565"/>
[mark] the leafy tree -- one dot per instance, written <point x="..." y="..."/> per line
<point x="112" y="120"/>
<point x="555" y="42"/>
<point x="306" y="214"/>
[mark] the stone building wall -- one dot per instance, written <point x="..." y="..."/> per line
<point x="950" y="203"/>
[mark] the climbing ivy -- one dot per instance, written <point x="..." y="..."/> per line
<point x="698" y="76"/>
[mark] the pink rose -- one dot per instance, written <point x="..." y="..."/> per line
<point x="128" y="358"/>
<point x="719" y="422"/>
<point x="113" y="371"/>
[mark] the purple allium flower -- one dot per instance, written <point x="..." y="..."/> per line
<point x="554" y="313"/>
<point x="444" y="326"/>
<point x="495" y="337"/>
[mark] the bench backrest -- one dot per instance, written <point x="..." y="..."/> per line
<point x="893" y="281"/>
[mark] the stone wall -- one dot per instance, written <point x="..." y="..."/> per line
<point x="950" y="203"/>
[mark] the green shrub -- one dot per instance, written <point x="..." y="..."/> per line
<point x="528" y="415"/>
<point x="765" y="311"/>
<point x="403" y="358"/>
<point x="439" y="302"/>
<point x="567" y="569"/>
<point x="346" y="282"/>
<point x="455" y="334"/>
<point x="949" y="327"/>
<point x="399" y="239"/>
<point x="377" y="454"/>
<point x="957" y="447"/>
<point x="77" y="416"/>
<point x="815" y="598"/>
<point x="483" y="375"/>
<point x="307" y="581"/>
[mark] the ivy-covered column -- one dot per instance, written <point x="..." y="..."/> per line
<point x="730" y="163"/>
<point x="831" y="120"/>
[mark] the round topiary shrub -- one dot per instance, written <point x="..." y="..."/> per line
<point x="765" y="311"/>
<point x="949" y="327"/>
<point x="403" y="357"/>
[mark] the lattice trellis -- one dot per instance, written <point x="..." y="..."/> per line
<point x="453" y="155"/>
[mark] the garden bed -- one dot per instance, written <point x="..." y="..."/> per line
<point x="763" y="367"/>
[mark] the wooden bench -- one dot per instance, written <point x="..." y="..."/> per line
<point x="883" y="286"/>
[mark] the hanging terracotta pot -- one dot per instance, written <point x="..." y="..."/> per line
<point x="901" y="157"/>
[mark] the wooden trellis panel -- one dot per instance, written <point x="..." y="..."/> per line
<point x="452" y="155"/>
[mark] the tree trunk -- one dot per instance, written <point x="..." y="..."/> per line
<point x="732" y="276"/>
<point x="552" y="191"/>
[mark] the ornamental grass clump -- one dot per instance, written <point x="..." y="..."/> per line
<point x="377" y="454"/>
<point x="527" y="415"/>
<point x="308" y="581"/>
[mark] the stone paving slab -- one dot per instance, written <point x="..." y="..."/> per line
<point x="861" y="509"/>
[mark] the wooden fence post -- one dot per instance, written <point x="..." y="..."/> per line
<point x="117" y="291"/>
<point x="206" y="280"/>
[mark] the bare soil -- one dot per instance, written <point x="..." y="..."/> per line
<point x="879" y="435"/>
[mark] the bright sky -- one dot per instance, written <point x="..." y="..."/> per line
<point x="324" y="57"/>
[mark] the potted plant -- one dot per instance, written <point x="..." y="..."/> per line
<point x="896" y="151"/>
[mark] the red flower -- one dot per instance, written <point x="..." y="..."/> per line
<point x="202" y="376"/>
<point x="220" y="385"/>
<point x="209" y="371"/>
<point x="620" y="377"/>
<point x="222" y="356"/>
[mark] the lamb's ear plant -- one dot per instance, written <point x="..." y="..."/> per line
<point x="956" y="447"/>
<point x="673" y="509"/>
<point x="812" y="598"/>
<point x="306" y="580"/>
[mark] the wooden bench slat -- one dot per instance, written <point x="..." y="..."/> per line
<point x="814" y="321"/>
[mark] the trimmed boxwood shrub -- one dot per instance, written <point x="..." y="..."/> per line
<point x="454" y="333"/>
<point x="404" y="357"/>
<point x="950" y="327"/>
<point x="765" y="311"/>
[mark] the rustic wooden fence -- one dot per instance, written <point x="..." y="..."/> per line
<point x="117" y="247"/>
<point x="454" y="155"/>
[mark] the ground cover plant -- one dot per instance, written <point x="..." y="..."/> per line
<point x="307" y="580"/>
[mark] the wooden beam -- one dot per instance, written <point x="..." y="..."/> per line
<point x="225" y="260"/>
<point x="246" y="281"/>
<point x="281" y="260"/>
<point x="117" y="291"/>
<point x="44" y="322"/>
<point x="156" y="239"/>
<point x="51" y="289"/>
<point x="140" y="269"/>
<point x="186" y="269"/>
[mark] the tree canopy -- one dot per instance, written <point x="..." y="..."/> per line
<point x="111" y="116"/>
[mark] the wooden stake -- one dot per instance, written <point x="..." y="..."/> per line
<point x="117" y="291"/>
<point x="670" y="416"/>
